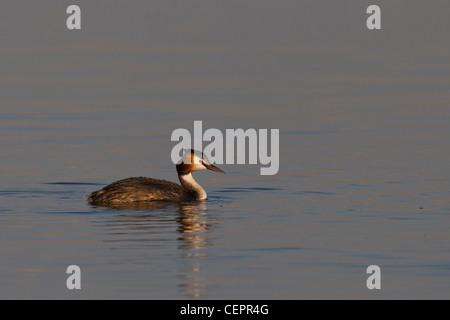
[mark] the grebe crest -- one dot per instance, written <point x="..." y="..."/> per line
<point x="194" y="160"/>
<point x="143" y="189"/>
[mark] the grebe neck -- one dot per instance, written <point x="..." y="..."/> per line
<point x="192" y="187"/>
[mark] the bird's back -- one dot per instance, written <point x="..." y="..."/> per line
<point x="138" y="189"/>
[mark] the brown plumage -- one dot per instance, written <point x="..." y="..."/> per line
<point x="141" y="189"/>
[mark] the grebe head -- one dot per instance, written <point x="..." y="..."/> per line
<point x="194" y="160"/>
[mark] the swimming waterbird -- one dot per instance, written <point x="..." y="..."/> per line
<point x="141" y="189"/>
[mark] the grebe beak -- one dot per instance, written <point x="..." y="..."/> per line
<point x="212" y="167"/>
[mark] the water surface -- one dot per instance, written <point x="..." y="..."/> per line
<point x="364" y="151"/>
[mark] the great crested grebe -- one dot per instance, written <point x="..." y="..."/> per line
<point x="143" y="189"/>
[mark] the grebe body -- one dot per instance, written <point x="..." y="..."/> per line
<point x="142" y="189"/>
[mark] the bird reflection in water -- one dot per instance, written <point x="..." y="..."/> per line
<point x="146" y="225"/>
<point x="193" y="225"/>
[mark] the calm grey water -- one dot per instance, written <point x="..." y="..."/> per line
<point x="364" y="149"/>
